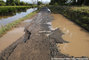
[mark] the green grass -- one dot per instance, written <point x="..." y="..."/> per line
<point x="9" y="26"/>
<point x="79" y="15"/>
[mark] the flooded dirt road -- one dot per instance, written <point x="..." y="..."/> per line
<point x="11" y="37"/>
<point x="39" y="40"/>
<point x="78" y="39"/>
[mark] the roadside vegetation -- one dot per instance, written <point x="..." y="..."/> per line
<point x="9" y="26"/>
<point x="79" y="15"/>
<point x="76" y="11"/>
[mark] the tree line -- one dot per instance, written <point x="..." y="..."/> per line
<point x="71" y="2"/>
<point x="13" y="3"/>
<point x="81" y="2"/>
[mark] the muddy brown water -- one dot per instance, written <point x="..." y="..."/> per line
<point x="78" y="38"/>
<point x="10" y="37"/>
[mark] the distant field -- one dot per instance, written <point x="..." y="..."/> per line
<point x="79" y="15"/>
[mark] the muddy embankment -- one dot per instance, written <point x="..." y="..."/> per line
<point x="39" y="41"/>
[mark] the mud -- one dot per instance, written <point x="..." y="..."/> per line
<point x="76" y="36"/>
<point x="11" y="37"/>
<point x="39" y="41"/>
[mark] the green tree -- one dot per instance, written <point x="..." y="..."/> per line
<point x="2" y="3"/>
<point x="85" y="2"/>
<point x="53" y="2"/>
<point x="74" y="2"/>
<point x="22" y="3"/>
<point x="59" y="2"/>
<point x="81" y="2"/>
<point x="13" y="2"/>
<point x="39" y="3"/>
<point x="9" y="2"/>
<point x="17" y="2"/>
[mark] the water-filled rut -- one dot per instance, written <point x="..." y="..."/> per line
<point x="78" y="39"/>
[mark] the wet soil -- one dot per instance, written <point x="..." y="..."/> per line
<point x="11" y="37"/>
<point x="77" y="37"/>
<point x="41" y="40"/>
<point x="38" y="42"/>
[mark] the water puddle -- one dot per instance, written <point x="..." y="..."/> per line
<point x="78" y="39"/>
<point x="10" y="37"/>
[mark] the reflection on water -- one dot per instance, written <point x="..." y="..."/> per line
<point x="5" y="21"/>
<point x="78" y="39"/>
<point x="4" y="17"/>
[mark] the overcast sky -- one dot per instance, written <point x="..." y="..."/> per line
<point x="30" y="1"/>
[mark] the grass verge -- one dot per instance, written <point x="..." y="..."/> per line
<point x="9" y="26"/>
